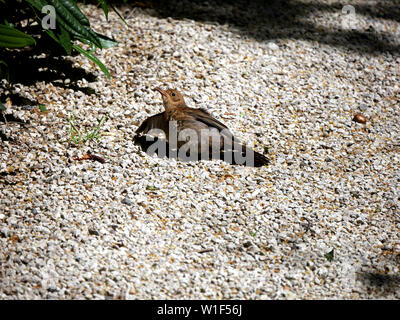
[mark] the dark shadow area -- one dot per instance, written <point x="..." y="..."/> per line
<point x="145" y="144"/>
<point x="4" y="137"/>
<point x="387" y="283"/>
<point x="74" y="87"/>
<point x="6" y="119"/>
<point x="389" y="10"/>
<point x="18" y="100"/>
<point x="33" y="65"/>
<point x="46" y="61"/>
<point x="284" y="19"/>
<point x="30" y="66"/>
<point x="12" y="118"/>
<point x="375" y="279"/>
<point x="5" y="174"/>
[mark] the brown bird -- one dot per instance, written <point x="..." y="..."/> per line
<point x="194" y="133"/>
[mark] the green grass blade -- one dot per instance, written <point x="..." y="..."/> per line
<point x="93" y="58"/>
<point x="104" y="7"/>
<point x="42" y="107"/>
<point x="119" y="15"/>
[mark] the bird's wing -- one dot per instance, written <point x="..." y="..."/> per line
<point x="203" y="116"/>
<point x="153" y="122"/>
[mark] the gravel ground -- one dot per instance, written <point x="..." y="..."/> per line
<point x="321" y="221"/>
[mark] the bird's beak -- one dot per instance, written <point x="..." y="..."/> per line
<point x="164" y="93"/>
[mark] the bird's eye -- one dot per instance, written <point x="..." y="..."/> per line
<point x="173" y="94"/>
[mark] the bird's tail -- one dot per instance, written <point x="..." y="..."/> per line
<point x="243" y="155"/>
<point x="256" y="159"/>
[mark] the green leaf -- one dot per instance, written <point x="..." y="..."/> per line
<point x="38" y="4"/>
<point x="106" y="42"/>
<point x="83" y="40"/>
<point x="329" y="256"/>
<point x="72" y="24"/>
<point x="13" y="38"/>
<point x="2" y="107"/>
<point x="75" y="11"/>
<point x="52" y="35"/>
<point x="65" y="40"/>
<point x="42" y="107"/>
<point x="92" y="58"/>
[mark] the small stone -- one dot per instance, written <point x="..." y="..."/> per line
<point x="93" y="232"/>
<point x="127" y="201"/>
<point x="247" y="244"/>
<point x="272" y="46"/>
<point x="52" y="288"/>
<point x="360" y="118"/>
<point x="4" y="232"/>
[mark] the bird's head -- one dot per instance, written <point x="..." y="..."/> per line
<point x="171" y="97"/>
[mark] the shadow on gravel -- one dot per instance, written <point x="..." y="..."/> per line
<point x="282" y="19"/>
<point x="30" y="66"/>
<point x="386" y="283"/>
<point x="170" y="153"/>
<point x="46" y="61"/>
<point x="34" y="65"/>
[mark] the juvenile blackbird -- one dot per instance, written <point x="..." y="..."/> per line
<point x="197" y="134"/>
